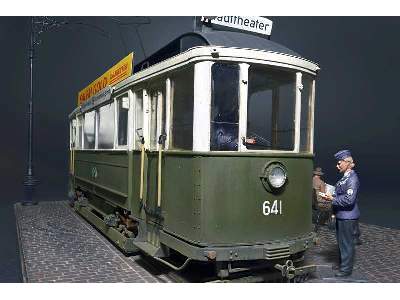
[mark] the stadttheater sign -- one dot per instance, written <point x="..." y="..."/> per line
<point x="257" y="25"/>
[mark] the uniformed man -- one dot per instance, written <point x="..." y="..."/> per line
<point x="318" y="187"/>
<point x="345" y="207"/>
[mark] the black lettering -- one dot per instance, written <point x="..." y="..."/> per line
<point x="219" y="19"/>
<point x="246" y="22"/>
<point x="240" y="20"/>
<point x="226" y="19"/>
<point x="261" y="26"/>
<point x="252" y="24"/>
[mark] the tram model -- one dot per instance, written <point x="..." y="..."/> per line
<point x="205" y="152"/>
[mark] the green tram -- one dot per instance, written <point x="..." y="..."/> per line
<point x="205" y="152"/>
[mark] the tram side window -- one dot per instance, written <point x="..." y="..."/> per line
<point x="270" y="109"/>
<point x="138" y="117"/>
<point x="153" y="118"/>
<point x="79" y="133"/>
<point x="73" y="134"/>
<point x="182" y="92"/>
<point x="305" y="130"/>
<point x="224" y="107"/>
<point x="106" y="126"/>
<point x="123" y="109"/>
<point x="89" y="130"/>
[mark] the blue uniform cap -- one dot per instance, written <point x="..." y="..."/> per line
<point x="341" y="155"/>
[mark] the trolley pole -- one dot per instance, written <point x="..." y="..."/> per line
<point x="30" y="182"/>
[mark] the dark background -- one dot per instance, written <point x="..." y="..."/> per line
<point x="357" y="104"/>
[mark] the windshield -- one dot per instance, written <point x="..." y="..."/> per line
<point x="270" y="109"/>
<point x="224" y="107"/>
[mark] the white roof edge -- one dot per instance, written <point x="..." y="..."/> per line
<point x="205" y="53"/>
<point x="202" y="53"/>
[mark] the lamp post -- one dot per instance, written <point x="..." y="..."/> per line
<point x="39" y="25"/>
<point x="30" y="182"/>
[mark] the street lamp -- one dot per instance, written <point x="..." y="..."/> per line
<point x="30" y="182"/>
<point x="39" y="25"/>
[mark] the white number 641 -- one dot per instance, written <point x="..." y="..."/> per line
<point x="275" y="208"/>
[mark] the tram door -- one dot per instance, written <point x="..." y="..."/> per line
<point x="152" y="174"/>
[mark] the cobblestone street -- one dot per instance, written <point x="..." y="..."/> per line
<point x="376" y="259"/>
<point x="57" y="245"/>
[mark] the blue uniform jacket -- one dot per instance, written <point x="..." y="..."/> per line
<point x="345" y="202"/>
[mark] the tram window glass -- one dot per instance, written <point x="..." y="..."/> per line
<point x="270" y="109"/>
<point x="79" y="133"/>
<point x="138" y="117"/>
<point x="182" y="92"/>
<point x="224" y="107"/>
<point x="157" y="116"/>
<point x="73" y="134"/>
<point x="106" y="127"/>
<point x="89" y="130"/>
<point x="153" y="118"/>
<point x="123" y="109"/>
<point x="305" y="129"/>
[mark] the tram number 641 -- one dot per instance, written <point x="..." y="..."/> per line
<point x="275" y="208"/>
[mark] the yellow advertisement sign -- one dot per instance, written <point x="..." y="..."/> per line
<point x="119" y="72"/>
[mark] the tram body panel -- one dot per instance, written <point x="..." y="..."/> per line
<point x="104" y="173"/>
<point x="234" y="199"/>
<point x="219" y="200"/>
<point x="181" y="201"/>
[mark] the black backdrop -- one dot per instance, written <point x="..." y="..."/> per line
<point x="357" y="106"/>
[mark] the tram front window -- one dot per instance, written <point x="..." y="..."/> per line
<point x="270" y="109"/>
<point x="224" y="107"/>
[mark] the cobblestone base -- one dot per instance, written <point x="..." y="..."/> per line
<point x="376" y="260"/>
<point x="59" y="246"/>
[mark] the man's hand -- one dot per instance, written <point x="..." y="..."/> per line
<point x="327" y="197"/>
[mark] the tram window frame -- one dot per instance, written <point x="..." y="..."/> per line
<point x="73" y="133"/>
<point x="138" y="117"/>
<point x="86" y="114"/>
<point x="181" y="108"/>
<point x="118" y="100"/>
<point x="79" y="136"/>
<point x="221" y="137"/>
<point x="108" y="110"/>
<point x="156" y="92"/>
<point x="307" y="113"/>
<point x="273" y="95"/>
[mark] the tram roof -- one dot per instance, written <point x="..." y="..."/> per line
<point x="213" y="38"/>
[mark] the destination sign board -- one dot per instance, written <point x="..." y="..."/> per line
<point x="259" y="25"/>
<point x="119" y="72"/>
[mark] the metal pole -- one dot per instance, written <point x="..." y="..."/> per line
<point x="30" y="182"/>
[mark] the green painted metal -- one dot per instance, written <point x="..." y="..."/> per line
<point x="104" y="173"/>
<point x="209" y="200"/>
<point x="126" y="244"/>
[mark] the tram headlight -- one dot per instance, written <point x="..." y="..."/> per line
<point x="277" y="176"/>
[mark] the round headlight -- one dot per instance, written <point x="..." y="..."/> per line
<point x="277" y="177"/>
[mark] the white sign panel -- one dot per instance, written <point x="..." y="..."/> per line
<point x="258" y="25"/>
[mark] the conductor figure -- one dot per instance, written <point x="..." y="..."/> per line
<point x="345" y="207"/>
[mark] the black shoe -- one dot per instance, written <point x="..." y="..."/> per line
<point x="342" y="274"/>
<point x="335" y="267"/>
